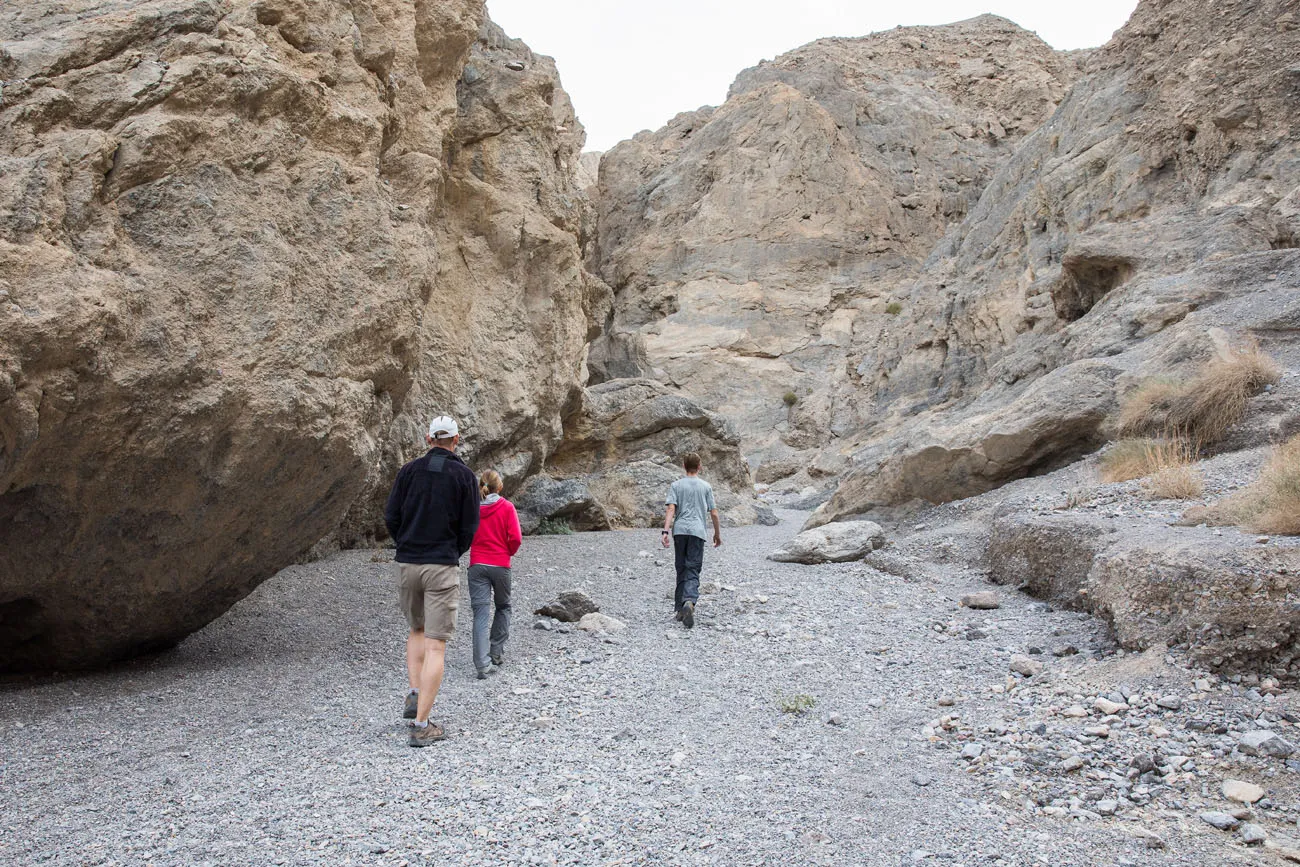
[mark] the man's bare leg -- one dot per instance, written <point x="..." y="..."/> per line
<point x="435" y="653"/>
<point x="414" y="657"/>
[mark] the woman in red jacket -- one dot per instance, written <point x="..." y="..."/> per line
<point x="497" y="540"/>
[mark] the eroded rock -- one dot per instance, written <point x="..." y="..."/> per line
<point x="834" y="543"/>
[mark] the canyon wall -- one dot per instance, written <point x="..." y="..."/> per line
<point x="752" y="246"/>
<point x="1146" y="227"/>
<point x="247" y="249"/>
<point x="915" y="266"/>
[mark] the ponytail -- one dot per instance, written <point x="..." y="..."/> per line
<point x="490" y="483"/>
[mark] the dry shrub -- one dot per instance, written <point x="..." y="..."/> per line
<point x="1205" y="408"/>
<point x="1168" y="463"/>
<point x="1271" y="504"/>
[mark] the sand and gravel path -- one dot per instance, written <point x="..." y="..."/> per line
<point x="273" y="737"/>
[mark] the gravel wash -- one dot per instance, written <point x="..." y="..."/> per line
<point x="796" y="724"/>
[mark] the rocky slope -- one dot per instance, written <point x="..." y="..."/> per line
<point x="1144" y="228"/>
<point x="753" y="245"/>
<point x="246" y="249"/>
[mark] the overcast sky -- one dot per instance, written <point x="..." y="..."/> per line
<point x="631" y="66"/>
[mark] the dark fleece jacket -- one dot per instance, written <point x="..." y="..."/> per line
<point x="432" y="512"/>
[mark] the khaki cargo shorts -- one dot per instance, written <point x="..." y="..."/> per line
<point x="430" y="596"/>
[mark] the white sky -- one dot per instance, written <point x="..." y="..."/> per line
<point x="631" y="66"/>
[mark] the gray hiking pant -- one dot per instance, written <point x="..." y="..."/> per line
<point x="485" y="583"/>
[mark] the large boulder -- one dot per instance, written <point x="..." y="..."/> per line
<point x="246" y="250"/>
<point x="544" y="498"/>
<point x="833" y="543"/>
<point x="1222" y="596"/>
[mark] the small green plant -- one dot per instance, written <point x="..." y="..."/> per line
<point x="893" y="308"/>
<point x="799" y="703"/>
<point x="555" y="527"/>
<point x="790" y="398"/>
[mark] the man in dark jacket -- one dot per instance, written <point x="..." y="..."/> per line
<point x="432" y="514"/>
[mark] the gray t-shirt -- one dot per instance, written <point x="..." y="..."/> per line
<point x="693" y="498"/>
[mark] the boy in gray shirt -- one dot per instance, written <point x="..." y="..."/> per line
<point x="689" y="500"/>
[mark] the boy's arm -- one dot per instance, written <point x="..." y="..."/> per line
<point x="668" y="524"/>
<point x="717" y="528"/>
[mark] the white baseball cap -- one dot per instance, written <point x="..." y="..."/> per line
<point x="443" y="428"/>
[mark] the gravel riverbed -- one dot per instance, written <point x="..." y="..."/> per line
<point x="807" y="719"/>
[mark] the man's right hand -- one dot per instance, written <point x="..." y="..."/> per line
<point x="665" y="537"/>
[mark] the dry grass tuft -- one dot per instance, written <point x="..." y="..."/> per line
<point x="1167" y="463"/>
<point x="1206" y="408"/>
<point x="1180" y="482"/>
<point x="1146" y="407"/>
<point x="1271" y="504"/>
<point x="1130" y="459"/>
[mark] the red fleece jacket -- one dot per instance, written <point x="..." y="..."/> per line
<point x="498" y="536"/>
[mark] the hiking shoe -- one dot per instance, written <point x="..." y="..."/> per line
<point x="422" y="737"/>
<point x="412" y="705"/>
<point x="678" y="615"/>
<point x="498" y="659"/>
<point x="483" y="673"/>
<point x="688" y="615"/>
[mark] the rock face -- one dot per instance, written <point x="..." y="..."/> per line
<point x="1147" y="225"/>
<point x="763" y="242"/>
<point x="1222" y="597"/>
<point x="246" y="248"/>
<point x="624" y="441"/>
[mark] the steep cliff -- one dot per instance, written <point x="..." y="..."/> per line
<point x="245" y="249"/>
<point x="752" y="245"/>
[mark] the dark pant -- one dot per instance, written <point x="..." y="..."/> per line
<point x="486" y="582"/>
<point x="690" y="559"/>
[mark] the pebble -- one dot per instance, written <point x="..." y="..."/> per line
<point x="1222" y="821"/>
<point x="1252" y="834"/>
<point x="984" y="600"/>
<point x="1265" y="743"/>
<point x="1242" y="792"/>
<point x="1169" y="702"/>
<point x="1108" y="707"/>
<point x="972" y="751"/>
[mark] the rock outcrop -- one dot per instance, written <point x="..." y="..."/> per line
<point x="623" y="445"/>
<point x="1227" y="600"/>
<point x="754" y="245"/>
<point x="245" y="249"/>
